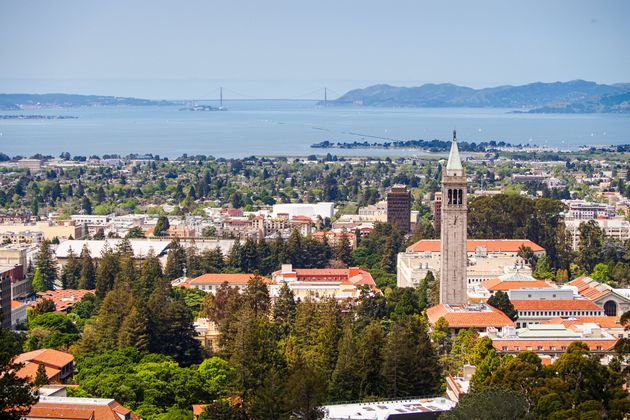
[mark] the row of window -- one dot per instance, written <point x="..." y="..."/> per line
<point x="541" y="348"/>
<point x="559" y="313"/>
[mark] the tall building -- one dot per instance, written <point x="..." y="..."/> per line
<point x="453" y="230"/>
<point x="399" y="208"/>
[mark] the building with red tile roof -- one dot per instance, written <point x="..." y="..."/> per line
<point x="479" y="316"/>
<point x="59" y="365"/>
<point x="18" y="313"/>
<point x="610" y="324"/>
<point x="210" y="282"/>
<point x="79" y="409"/>
<point x="472" y="245"/>
<point x="64" y="299"/>
<point x="614" y="301"/>
<point x="340" y="283"/>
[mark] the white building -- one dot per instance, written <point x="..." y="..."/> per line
<point x="582" y="210"/>
<point x="617" y="228"/>
<point x="322" y="210"/>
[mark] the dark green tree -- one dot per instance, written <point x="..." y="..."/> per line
<point x="87" y="277"/>
<point x="161" y="227"/>
<point x="284" y="309"/>
<point x="175" y="260"/>
<point x="71" y="272"/>
<point x="501" y="301"/>
<point x="16" y="394"/>
<point x="46" y="266"/>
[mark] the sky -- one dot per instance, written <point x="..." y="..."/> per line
<point x="293" y="49"/>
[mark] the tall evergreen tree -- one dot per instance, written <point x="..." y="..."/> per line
<point x="87" y="277"/>
<point x="249" y="257"/>
<point x="175" y="261"/>
<point x="212" y="261"/>
<point x="343" y="250"/>
<point x="266" y="261"/>
<point x="345" y="383"/>
<point x="134" y="330"/>
<point x="294" y="251"/>
<point x="410" y="365"/>
<point x="71" y="272"/>
<point x="370" y="349"/>
<point x="16" y="394"/>
<point x="193" y="262"/>
<point x="284" y="309"/>
<point x="106" y="272"/>
<point x="46" y="266"/>
<point x="150" y="275"/>
<point x="161" y="227"/>
<point x="235" y="255"/>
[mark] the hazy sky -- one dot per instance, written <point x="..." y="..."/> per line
<point x="183" y="49"/>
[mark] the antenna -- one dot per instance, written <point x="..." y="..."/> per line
<point x="221" y="96"/>
<point x="325" y="96"/>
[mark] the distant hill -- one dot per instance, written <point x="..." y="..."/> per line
<point x="573" y="96"/>
<point x="17" y="101"/>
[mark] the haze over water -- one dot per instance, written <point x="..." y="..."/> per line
<point x="289" y="128"/>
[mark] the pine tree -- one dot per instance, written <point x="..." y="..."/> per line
<point x="175" y="261"/>
<point x="370" y="349"/>
<point x="256" y="296"/>
<point x="150" y="275"/>
<point x="71" y="272"/>
<point x="343" y="250"/>
<point x="134" y="330"/>
<point x="16" y="394"/>
<point x="40" y="377"/>
<point x="235" y="255"/>
<point x="345" y="383"/>
<point x="501" y="301"/>
<point x="46" y="266"/>
<point x="87" y="278"/>
<point x="106" y="272"/>
<point x="294" y="251"/>
<point x="212" y="261"/>
<point x="284" y="309"/>
<point x="410" y="365"/>
<point x="38" y="282"/>
<point x="193" y="262"/>
<point x="278" y="250"/>
<point x="124" y="247"/>
<point x="249" y="257"/>
<point x="266" y="261"/>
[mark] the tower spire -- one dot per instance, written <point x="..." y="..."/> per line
<point x="454" y="161"/>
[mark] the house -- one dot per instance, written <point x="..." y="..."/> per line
<point x="59" y="365"/>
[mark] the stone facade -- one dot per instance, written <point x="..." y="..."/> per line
<point x="453" y="230"/>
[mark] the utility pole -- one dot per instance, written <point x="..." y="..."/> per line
<point x="325" y="96"/>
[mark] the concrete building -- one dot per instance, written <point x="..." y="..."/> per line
<point x="18" y="313"/>
<point x="5" y="301"/>
<point x="437" y="212"/>
<point x="211" y="282"/>
<point x="485" y="259"/>
<point x="479" y="316"/>
<point x="617" y="228"/>
<point x="63" y="230"/>
<point x="582" y="210"/>
<point x="453" y="262"/>
<point x="399" y="208"/>
<point x="62" y="407"/>
<point x="59" y="365"/>
<point x="323" y="210"/>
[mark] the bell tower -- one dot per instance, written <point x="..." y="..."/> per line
<point x="453" y="258"/>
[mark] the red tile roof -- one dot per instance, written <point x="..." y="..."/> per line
<point x="589" y="288"/>
<point x="555" y="305"/>
<point x="498" y="284"/>
<point x="211" y="278"/>
<point x="63" y="299"/>
<point x="15" y="304"/>
<point x="558" y="344"/>
<point x="29" y="372"/>
<point x="602" y="321"/>
<point x="491" y="317"/>
<point x="49" y="357"/>
<point x="491" y="245"/>
<point x="79" y="409"/>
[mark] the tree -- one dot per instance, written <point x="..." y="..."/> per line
<point x="256" y="295"/>
<point x="71" y="272"/>
<point x="223" y="410"/>
<point x="86" y="205"/>
<point x="134" y="330"/>
<point x="370" y="346"/>
<point x="38" y="282"/>
<point x="46" y="266"/>
<point x="410" y="365"/>
<point x="40" y="377"/>
<point x="591" y="244"/>
<point x="600" y="273"/>
<point x="284" y="309"/>
<point x="490" y="404"/>
<point x="345" y="383"/>
<point x="88" y="276"/>
<point x="135" y="232"/>
<point x="108" y="269"/>
<point x="16" y="394"/>
<point x="42" y="307"/>
<point x="175" y="261"/>
<point x="501" y="301"/>
<point x="343" y="250"/>
<point x="161" y="227"/>
<point x="543" y="269"/>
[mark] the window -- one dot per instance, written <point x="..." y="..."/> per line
<point x="504" y="348"/>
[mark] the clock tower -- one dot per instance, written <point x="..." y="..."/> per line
<point x="453" y="258"/>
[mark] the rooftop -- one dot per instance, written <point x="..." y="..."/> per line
<point x="212" y="278"/>
<point x="555" y="305"/>
<point x="469" y="316"/>
<point x="385" y="409"/>
<point x="491" y="245"/>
